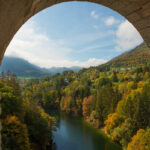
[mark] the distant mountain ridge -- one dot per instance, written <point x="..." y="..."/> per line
<point x="137" y="56"/>
<point x="54" y="70"/>
<point x="22" y="67"/>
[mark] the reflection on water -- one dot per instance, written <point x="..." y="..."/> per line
<point x="74" y="134"/>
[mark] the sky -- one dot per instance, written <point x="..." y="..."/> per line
<point x="74" y="34"/>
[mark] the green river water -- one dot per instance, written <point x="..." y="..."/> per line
<point x="73" y="133"/>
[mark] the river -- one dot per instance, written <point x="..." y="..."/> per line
<point x="73" y="133"/>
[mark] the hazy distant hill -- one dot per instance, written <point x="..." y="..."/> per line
<point x="55" y="70"/>
<point x="23" y="68"/>
<point x="137" y="56"/>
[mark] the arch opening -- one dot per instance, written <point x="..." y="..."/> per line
<point x="74" y="34"/>
<point x="15" y="13"/>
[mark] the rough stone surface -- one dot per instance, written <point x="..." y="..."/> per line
<point x="14" y="13"/>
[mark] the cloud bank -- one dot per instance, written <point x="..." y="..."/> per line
<point x="127" y="37"/>
<point x="38" y="48"/>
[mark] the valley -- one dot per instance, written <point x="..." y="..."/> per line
<point x="109" y="96"/>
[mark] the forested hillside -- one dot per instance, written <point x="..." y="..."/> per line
<point x="138" y="56"/>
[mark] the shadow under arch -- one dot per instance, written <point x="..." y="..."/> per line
<point x="14" y="13"/>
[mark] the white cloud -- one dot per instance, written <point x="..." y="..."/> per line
<point x="93" y="62"/>
<point x="127" y="37"/>
<point x="36" y="47"/>
<point x="85" y="64"/>
<point x="94" y="15"/>
<point x="111" y="21"/>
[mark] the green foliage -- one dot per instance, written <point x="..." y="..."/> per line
<point x="114" y="77"/>
<point x="103" y="81"/>
<point x="25" y="124"/>
<point x="39" y="126"/>
<point x="10" y="103"/>
<point x="106" y="101"/>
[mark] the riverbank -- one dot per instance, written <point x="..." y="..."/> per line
<point x="95" y="125"/>
<point x="100" y="130"/>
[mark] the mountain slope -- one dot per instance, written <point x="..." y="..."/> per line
<point x="21" y="67"/>
<point x="137" y="56"/>
<point x="54" y="70"/>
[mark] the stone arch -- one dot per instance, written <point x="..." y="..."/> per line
<point x="14" y="13"/>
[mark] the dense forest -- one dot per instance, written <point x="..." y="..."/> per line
<point x="116" y="100"/>
<point x="25" y="125"/>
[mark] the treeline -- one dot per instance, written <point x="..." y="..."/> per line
<point x="119" y="101"/>
<point x="25" y="125"/>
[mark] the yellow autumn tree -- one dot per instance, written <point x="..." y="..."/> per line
<point x="113" y="121"/>
<point x="140" y="141"/>
<point x="14" y="134"/>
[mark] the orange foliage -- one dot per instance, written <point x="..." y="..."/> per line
<point x="140" y="84"/>
<point x="86" y="109"/>
<point x="140" y="141"/>
<point x="113" y="121"/>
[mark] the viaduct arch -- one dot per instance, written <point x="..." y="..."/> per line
<point x="14" y="13"/>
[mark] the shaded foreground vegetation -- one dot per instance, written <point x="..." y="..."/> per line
<point x="25" y="125"/>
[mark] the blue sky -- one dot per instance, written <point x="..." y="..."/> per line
<point x="74" y="34"/>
